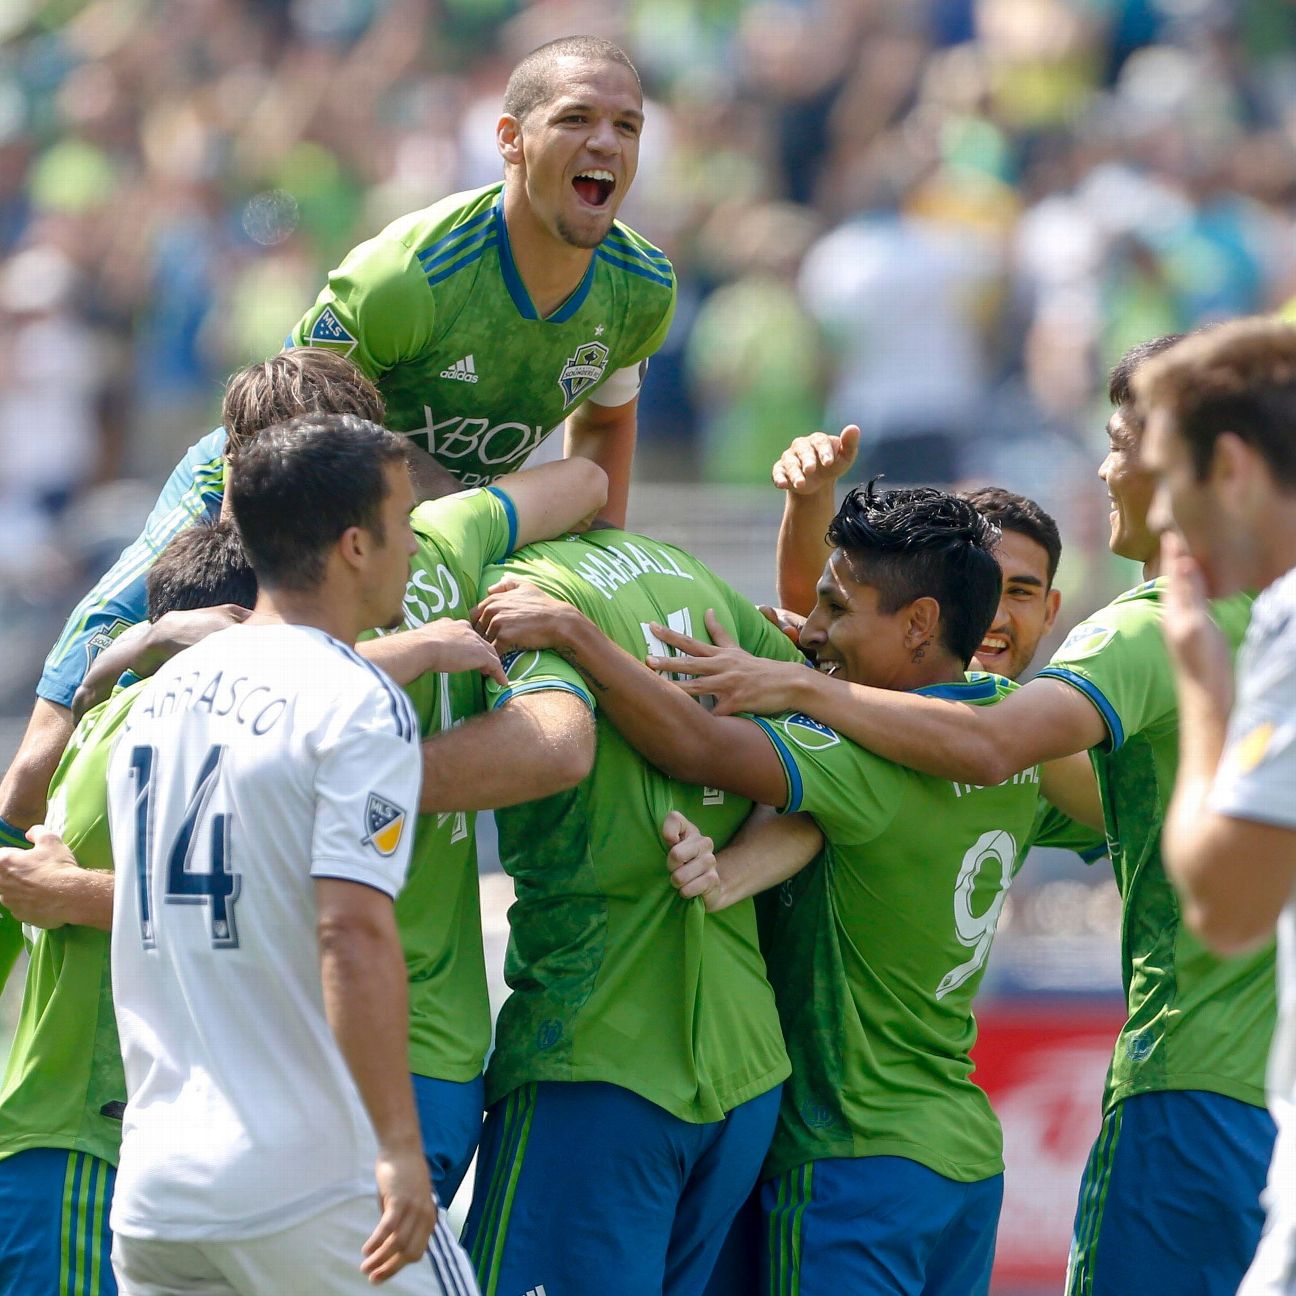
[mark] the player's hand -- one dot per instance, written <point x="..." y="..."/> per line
<point x="721" y="669"/>
<point x="691" y="860"/>
<point x="515" y="615"/>
<point x="813" y="463"/>
<point x="783" y="619"/>
<point x="444" y="646"/>
<point x="409" y="1212"/>
<point x="32" y="881"/>
<point x="1198" y="648"/>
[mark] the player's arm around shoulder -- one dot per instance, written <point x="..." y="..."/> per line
<point x="606" y="435"/>
<point x="554" y="498"/>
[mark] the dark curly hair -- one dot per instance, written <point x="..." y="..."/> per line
<point x="924" y="543"/>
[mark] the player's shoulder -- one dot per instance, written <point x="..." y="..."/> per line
<point x="1272" y="633"/>
<point x="430" y="517"/>
<point x="357" y="695"/>
<point x="976" y="688"/>
<point x="625" y="250"/>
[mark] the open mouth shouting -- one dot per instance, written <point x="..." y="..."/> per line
<point x="594" y="187"/>
<point x="826" y="665"/>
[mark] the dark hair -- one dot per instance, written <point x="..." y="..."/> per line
<point x="301" y="380"/>
<point x="1238" y="377"/>
<point x="531" y="83"/>
<point x="1012" y="512"/>
<point x="1120" y="389"/>
<point x="204" y="566"/>
<point x="297" y="486"/>
<point x="921" y="542"/>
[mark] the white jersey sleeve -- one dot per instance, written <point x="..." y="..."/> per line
<point x="1257" y="773"/>
<point x="367" y="792"/>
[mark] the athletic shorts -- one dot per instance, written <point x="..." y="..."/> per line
<point x="885" y="1226"/>
<point x="1170" y="1199"/>
<point x="54" y="1233"/>
<point x="320" y="1256"/>
<point x="587" y="1189"/>
<point x="450" y="1120"/>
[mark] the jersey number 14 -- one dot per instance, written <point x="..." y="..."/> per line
<point x="219" y="886"/>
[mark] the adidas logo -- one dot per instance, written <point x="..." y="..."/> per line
<point x="462" y="371"/>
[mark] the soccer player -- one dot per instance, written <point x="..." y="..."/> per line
<point x="634" y="1083"/>
<point x="491" y="317"/>
<point x="63" y="1093"/>
<point x="1220" y="413"/>
<point x="261" y="798"/>
<point x="885" y="1172"/>
<point x="1192" y="1052"/>
<point x="298" y="382"/>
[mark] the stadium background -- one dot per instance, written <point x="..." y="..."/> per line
<point x="929" y="216"/>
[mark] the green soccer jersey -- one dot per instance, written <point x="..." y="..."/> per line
<point x="63" y="1086"/>
<point x="877" y="949"/>
<point x="1195" y="1021"/>
<point x="615" y="978"/>
<point x="434" y="311"/>
<point x="438" y="911"/>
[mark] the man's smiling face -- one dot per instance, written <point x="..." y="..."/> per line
<point x="1027" y="607"/>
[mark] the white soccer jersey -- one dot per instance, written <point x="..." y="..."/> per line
<point x="1257" y="781"/>
<point x="260" y="759"/>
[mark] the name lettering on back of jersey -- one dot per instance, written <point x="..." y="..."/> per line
<point x="610" y="567"/>
<point x="582" y="370"/>
<point x="1031" y="775"/>
<point x="464" y="370"/>
<point x="384" y="823"/>
<point x="327" y="332"/>
<point x="496" y="445"/>
<point x="250" y="704"/>
<point x="431" y="593"/>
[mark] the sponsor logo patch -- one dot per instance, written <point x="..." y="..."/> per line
<point x="327" y="332"/>
<point x="809" y="734"/>
<point x="384" y="824"/>
<point x="1085" y="640"/>
<point x="582" y="370"/>
<point x="102" y="638"/>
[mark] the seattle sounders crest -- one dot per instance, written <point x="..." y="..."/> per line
<point x="582" y="370"/>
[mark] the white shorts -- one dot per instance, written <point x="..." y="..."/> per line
<point x="320" y="1256"/>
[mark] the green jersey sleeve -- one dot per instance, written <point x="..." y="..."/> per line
<point x="851" y="793"/>
<point x="375" y="308"/>
<point x="1118" y="660"/>
<point x="529" y="671"/>
<point x="1057" y="830"/>
<point x="479" y="527"/>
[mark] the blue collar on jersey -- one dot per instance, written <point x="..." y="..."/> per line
<point x="978" y="687"/>
<point x="517" y="289"/>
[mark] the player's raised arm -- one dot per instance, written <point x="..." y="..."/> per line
<point x="681" y="738"/>
<point x="808" y="471"/>
<point x="606" y="435"/>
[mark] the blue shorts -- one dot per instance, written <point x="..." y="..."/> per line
<point x="885" y="1226"/>
<point x="450" y="1121"/>
<point x="1170" y="1198"/>
<point x="586" y="1189"/>
<point x="54" y="1224"/>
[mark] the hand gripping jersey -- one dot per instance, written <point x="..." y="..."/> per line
<point x="63" y="1085"/>
<point x="1195" y="1021"/>
<point x="434" y="311"/>
<point x="615" y="978"/>
<point x="259" y="760"/>
<point x="876" y="950"/>
<point x="439" y="908"/>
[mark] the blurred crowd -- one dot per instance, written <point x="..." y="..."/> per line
<point x="941" y="219"/>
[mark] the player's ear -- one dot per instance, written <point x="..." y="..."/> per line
<point x="923" y="620"/>
<point x="1052" y="606"/>
<point x="508" y="139"/>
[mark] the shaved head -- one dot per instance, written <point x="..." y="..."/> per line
<point x="534" y="80"/>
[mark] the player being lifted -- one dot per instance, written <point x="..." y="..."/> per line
<point x="876" y="952"/>
<point x="487" y="320"/>
<point x="1192" y="1051"/>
